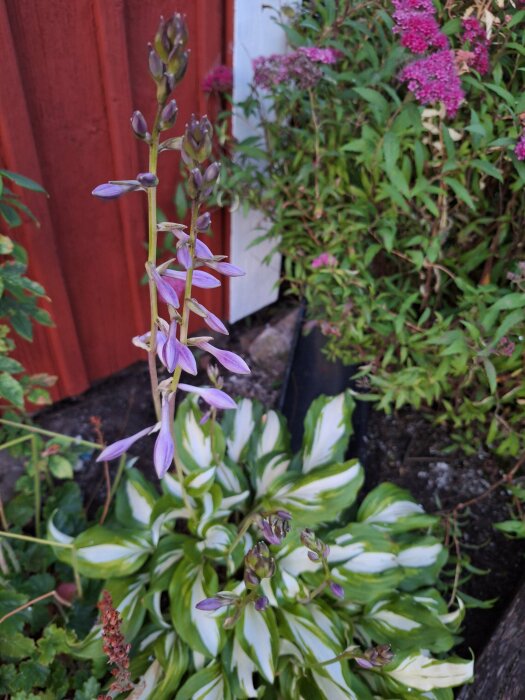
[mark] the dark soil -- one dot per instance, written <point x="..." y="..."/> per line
<point x="403" y="448"/>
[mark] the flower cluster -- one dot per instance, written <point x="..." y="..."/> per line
<point x="433" y="78"/>
<point x="168" y="338"/>
<point x="300" y="66"/>
<point x="324" y="260"/>
<point x="519" y="149"/>
<point x="219" y="80"/>
<point x="417" y="25"/>
<point x="115" y="647"/>
<point x="318" y="551"/>
<point x="475" y="34"/>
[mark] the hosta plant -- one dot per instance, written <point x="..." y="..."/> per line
<point x="275" y="584"/>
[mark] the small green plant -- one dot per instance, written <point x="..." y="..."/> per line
<point x="275" y="581"/>
<point x="401" y="223"/>
<point x="19" y="301"/>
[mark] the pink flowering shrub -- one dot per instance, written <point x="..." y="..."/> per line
<point x="394" y="179"/>
<point x="218" y="80"/>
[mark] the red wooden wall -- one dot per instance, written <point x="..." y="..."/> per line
<point x="72" y="74"/>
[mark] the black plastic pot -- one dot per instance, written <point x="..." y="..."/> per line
<point x="308" y="375"/>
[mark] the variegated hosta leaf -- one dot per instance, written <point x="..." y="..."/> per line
<point x="406" y="624"/>
<point x="127" y="596"/>
<point x="241" y="670"/>
<point x="231" y="477"/>
<point x="268" y="469"/>
<point x="201" y="630"/>
<point x="166" y="511"/>
<point x="146" y="685"/>
<point x="162" y="565"/>
<point x="199" y="482"/>
<point x="354" y="689"/>
<point x="385" y="687"/>
<point x="422" y="672"/>
<point x="135" y="500"/>
<point x="363" y="560"/>
<point x="273" y="435"/>
<point x="390" y="506"/>
<point x="56" y="535"/>
<point x="422" y="560"/>
<point x="327" y="429"/>
<point x="319" y="496"/>
<point x="292" y="562"/>
<point x="207" y="684"/>
<point x="196" y="448"/>
<point x="257" y="635"/>
<point x="433" y="601"/>
<point x="172" y="654"/>
<point x="214" y="508"/>
<point x="239" y="427"/>
<point x="217" y="542"/>
<point x="316" y="644"/>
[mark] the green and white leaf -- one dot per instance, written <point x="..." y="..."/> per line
<point x="207" y="684"/>
<point x="135" y="500"/>
<point x="201" y="630"/>
<point x="257" y="635"/>
<point x="327" y="429"/>
<point x="319" y="496"/>
<point x="388" y="505"/>
<point x="273" y="436"/>
<point x="105" y="553"/>
<point x="420" y="671"/>
<point x="268" y="469"/>
<point x="243" y="422"/>
<point x="197" y="449"/>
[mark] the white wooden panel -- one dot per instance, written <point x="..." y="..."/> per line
<point x="255" y="34"/>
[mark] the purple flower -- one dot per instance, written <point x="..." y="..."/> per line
<point x="219" y="79"/>
<point x="200" y="279"/>
<point x="227" y="358"/>
<point x="221" y="600"/>
<point x="203" y="223"/>
<point x="519" y="150"/>
<point x="167" y="348"/>
<point x="435" y="79"/>
<point x="112" y="190"/>
<point x="184" y="256"/>
<point x="215" y="323"/>
<point x="324" y="260"/>
<point x="186" y="359"/>
<point x="269" y="71"/>
<point x="364" y="663"/>
<point x="164" y="446"/>
<point x="337" y="590"/>
<point x="319" y="55"/>
<point x="417" y="25"/>
<point x="214" y="397"/>
<point x="474" y="33"/>
<point x="139" y="125"/>
<point x="147" y="179"/>
<point x="165" y="290"/>
<point x="118" y="448"/>
<point x="225" y="268"/>
<point x="261" y="603"/>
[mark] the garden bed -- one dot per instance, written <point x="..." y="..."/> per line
<point x="401" y="448"/>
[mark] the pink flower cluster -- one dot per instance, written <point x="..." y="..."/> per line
<point x="474" y="33"/>
<point x="300" y="66"/>
<point x="324" y="260"/>
<point x="219" y="80"/>
<point x="416" y="23"/>
<point x="519" y="150"/>
<point x="433" y="78"/>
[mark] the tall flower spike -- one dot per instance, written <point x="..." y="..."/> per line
<point x="165" y="290"/>
<point x="164" y="446"/>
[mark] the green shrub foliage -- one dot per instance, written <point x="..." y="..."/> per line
<point x="326" y="617"/>
<point x="420" y="216"/>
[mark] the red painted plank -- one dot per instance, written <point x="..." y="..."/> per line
<point x="56" y="350"/>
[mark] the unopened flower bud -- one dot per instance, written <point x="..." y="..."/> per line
<point x="258" y="564"/>
<point x="274" y="528"/>
<point x="337" y="590"/>
<point x="194" y="184"/>
<point x="139" y="125"/>
<point x="261" y="603"/>
<point x="212" y="173"/>
<point x="148" y="179"/>
<point x="375" y="657"/>
<point x="165" y="87"/>
<point x="156" y="67"/>
<point x="169" y="115"/>
<point x="203" y="222"/>
<point x="196" y="143"/>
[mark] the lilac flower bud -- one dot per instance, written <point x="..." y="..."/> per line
<point x="139" y="125"/>
<point x="118" y="448"/>
<point x="364" y="663"/>
<point x="212" y="173"/>
<point x="202" y="251"/>
<point x="185" y="358"/>
<point x="258" y="562"/>
<point x="227" y="359"/>
<point x="313" y="556"/>
<point x="164" y="447"/>
<point x="375" y="657"/>
<point x="210" y="604"/>
<point x="194" y="183"/>
<point x="147" y="179"/>
<point x="165" y="290"/>
<point x="156" y="67"/>
<point x="337" y="590"/>
<point x="214" y="397"/>
<point x="261" y="603"/>
<point x="225" y="268"/>
<point x="250" y="579"/>
<point x="274" y="528"/>
<point x="170" y="351"/>
<point x="215" y="323"/>
<point x="284" y="514"/>
<point x="112" y="190"/>
<point x="308" y="538"/>
<point x="203" y="280"/>
<point x="169" y="115"/>
<point x="203" y="222"/>
<point x="184" y="257"/>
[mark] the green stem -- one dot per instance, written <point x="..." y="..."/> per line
<point x="36" y="467"/>
<point x="118" y="477"/>
<point x="50" y="433"/>
<point x="35" y="540"/>
<point x="152" y="259"/>
<point x="14" y="442"/>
